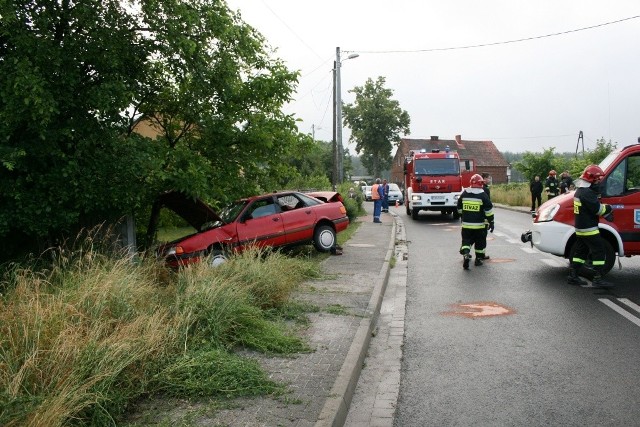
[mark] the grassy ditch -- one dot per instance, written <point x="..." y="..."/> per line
<point x="83" y="339"/>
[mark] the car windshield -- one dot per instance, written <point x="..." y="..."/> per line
<point x="394" y="187"/>
<point x="231" y="211"/>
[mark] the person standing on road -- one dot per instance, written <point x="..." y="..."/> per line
<point x="551" y="185"/>
<point x="474" y="207"/>
<point x="385" y="197"/>
<point x="566" y="182"/>
<point x="376" y="196"/>
<point x="536" y="192"/>
<point x="587" y="210"/>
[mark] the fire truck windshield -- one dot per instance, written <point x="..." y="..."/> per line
<point x="437" y="167"/>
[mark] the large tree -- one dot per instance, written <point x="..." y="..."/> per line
<point x="76" y="76"/>
<point x="377" y="123"/>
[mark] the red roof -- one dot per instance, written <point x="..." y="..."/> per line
<point x="484" y="153"/>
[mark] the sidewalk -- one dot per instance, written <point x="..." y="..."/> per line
<point x="323" y="382"/>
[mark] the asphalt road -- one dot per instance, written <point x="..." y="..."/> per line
<point x="509" y="343"/>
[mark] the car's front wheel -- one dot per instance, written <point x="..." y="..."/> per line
<point x="217" y="257"/>
<point x="324" y="238"/>
<point x="609" y="260"/>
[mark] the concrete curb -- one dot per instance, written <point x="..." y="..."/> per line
<point x="336" y="407"/>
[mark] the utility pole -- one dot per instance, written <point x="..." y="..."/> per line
<point x="337" y="118"/>
<point x="338" y="115"/>
<point x="334" y="175"/>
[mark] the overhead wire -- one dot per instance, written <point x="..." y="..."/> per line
<point x="437" y="49"/>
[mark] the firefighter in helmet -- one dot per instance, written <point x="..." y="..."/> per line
<point x="551" y="185"/>
<point x="587" y="210"/>
<point x="474" y="207"/>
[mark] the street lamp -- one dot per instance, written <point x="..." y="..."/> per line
<point x="338" y="168"/>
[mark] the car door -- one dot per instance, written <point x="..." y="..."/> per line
<point x="621" y="189"/>
<point x="261" y="224"/>
<point x="298" y="218"/>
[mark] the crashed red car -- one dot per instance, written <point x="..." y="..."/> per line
<point x="270" y="220"/>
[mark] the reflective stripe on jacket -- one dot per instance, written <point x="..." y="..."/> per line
<point x="474" y="207"/>
<point x="587" y="210"/>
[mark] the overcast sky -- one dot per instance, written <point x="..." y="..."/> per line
<point x="523" y="95"/>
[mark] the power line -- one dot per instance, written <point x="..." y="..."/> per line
<point x="437" y="49"/>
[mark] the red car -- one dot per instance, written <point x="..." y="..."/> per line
<point x="274" y="220"/>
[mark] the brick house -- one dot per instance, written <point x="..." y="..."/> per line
<point x="484" y="154"/>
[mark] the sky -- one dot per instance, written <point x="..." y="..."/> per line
<point x="541" y="77"/>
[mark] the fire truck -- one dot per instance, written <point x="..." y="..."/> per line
<point x="433" y="181"/>
<point x="553" y="229"/>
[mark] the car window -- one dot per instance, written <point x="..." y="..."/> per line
<point x="289" y="202"/>
<point x="310" y="201"/>
<point x="394" y="187"/>
<point x="262" y="208"/>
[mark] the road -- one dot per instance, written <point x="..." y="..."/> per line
<point x="509" y="343"/>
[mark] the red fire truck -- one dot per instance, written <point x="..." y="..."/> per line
<point x="553" y="225"/>
<point x="433" y="181"/>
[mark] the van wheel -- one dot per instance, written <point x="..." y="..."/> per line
<point x="609" y="260"/>
<point x="324" y="238"/>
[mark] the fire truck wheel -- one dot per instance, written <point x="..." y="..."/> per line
<point x="324" y="238"/>
<point x="408" y="210"/>
<point x="609" y="260"/>
<point x="414" y="213"/>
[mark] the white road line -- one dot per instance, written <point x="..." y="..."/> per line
<point x="529" y="250"/>
<point x="630" y="304"/>
<point x="620" y="310"/>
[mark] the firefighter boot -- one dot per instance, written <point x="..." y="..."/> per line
<point x="574" y="279"/>
<point x="599" y="282"/>
<point x="465" y="260"/>
<point x="478" y="261"/>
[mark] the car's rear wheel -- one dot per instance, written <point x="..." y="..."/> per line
<point x="324" y="238"/>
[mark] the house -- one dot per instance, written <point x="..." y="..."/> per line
<point x="484" y="154"/>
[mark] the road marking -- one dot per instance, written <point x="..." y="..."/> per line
<point x="479" y="309"/>
<point x="630" y="304"/>
<point x="528" y="250"/>
<point x="620" y="310"/>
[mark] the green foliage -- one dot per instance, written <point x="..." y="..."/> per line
<point x="77" y="78"/>
<point x="316" y="182"/>
<point x="82" y="340"/>
<point x="214" y="372"/>
<point x="532" y="164"/>
<point x="376" y="123"/>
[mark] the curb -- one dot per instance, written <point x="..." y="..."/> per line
<point x="336" y="407"/>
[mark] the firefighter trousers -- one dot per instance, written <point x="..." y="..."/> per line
<point x="476" y="237"/>
<point x="586" y="245"/>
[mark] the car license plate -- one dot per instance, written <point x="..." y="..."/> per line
<point x="437" y="197"/>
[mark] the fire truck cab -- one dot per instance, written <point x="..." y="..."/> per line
<point x="434" y="181"/>
<point x="553" y="226"/>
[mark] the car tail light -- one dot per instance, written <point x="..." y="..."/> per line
<point x="343" y="209"/>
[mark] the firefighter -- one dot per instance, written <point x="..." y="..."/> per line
<point x="551" y="185"/>
<point x="587" y="210"/>
<point x="474" y="207"/>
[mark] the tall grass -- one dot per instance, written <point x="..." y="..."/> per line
<point x="514" y="194"/>
<point x="82" y="339"/>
